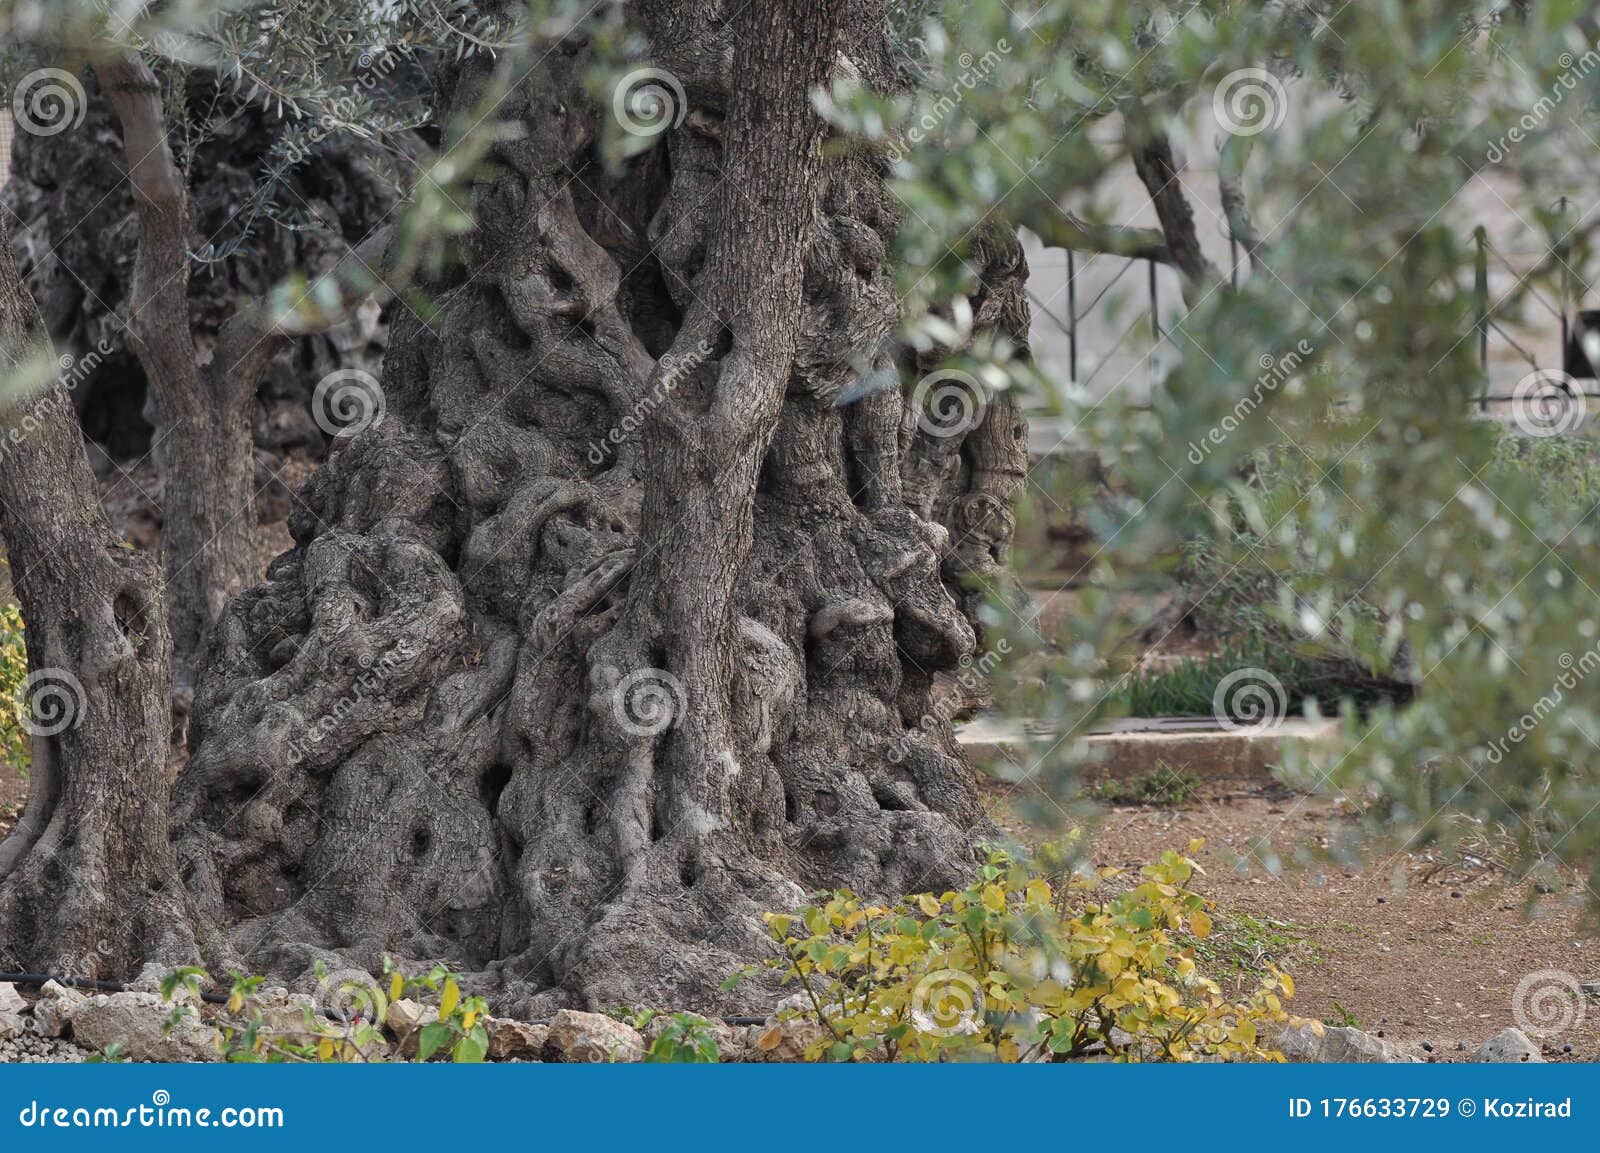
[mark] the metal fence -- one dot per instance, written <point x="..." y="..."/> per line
<point x="1573" y="322"/>
<point x="1565" y="367"/>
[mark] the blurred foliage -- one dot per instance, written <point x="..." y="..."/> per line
<point x="685" y="1039"/>
<point x="1232" y="598"/>
<point x="1404" y="540"/>
<point x="1564" y="470"/>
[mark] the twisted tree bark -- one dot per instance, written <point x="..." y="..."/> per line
<point x="88" y="881"/>
<point x="614" y="630"/>
<point x="206" y="350"/>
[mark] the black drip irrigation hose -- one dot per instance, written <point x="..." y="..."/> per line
<point x="34" y="980"/>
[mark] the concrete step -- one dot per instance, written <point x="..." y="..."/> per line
<point x="1133" y="747"/>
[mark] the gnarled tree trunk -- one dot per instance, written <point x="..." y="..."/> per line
<point x="616" y="630"/>
<point x="88" y="881"/>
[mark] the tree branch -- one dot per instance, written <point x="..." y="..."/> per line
<point x="160" y="320"/>
<point x="1152" y="160"/>
<point x="1230" y="188"/>
<point x="1070" y="231"/>
<point x="251" y="337"/>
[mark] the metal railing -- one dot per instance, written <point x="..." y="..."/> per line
<point x="1486" y="320"/>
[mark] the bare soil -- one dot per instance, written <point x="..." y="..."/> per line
<point x="1410" y="947"/>
<point x="13" y="794"/>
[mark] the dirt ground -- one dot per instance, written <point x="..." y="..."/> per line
<point x="13" y="792"/>
<point x="1398" y="947"/>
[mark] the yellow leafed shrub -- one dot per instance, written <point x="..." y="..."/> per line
<point x="1024" y="963"/>
<point x="14" y="741"/>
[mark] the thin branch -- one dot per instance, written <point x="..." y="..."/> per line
<point x="160" y="320"/>
<point x="1234" y="153"/>
<point x="1153" y="161"/>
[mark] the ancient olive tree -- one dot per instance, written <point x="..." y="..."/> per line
<point x="614" y="628"/>
<point x="87" y="875"/>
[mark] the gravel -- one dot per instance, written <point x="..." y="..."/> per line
<point x="32" y="1049"/>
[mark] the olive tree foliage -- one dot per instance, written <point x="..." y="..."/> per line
<point x="1407" y="540"/>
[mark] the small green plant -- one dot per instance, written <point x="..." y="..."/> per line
<point x="638" y="1018"/>
<point x="1242" y="947"/>
<point x="1341" y="1018"/>
<point x="448" y="1025"/>
<point x="1162" y="786"/>
<point x="15" y="746"/>
<point x="685" y="1039"/>
<point x="1026" y="962"/>
<point x="459" y="1030"/>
